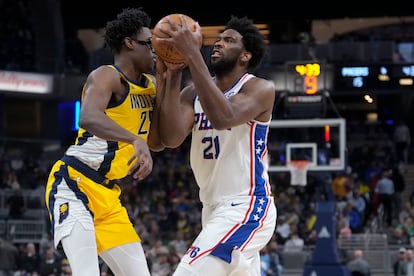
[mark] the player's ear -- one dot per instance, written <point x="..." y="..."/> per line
<point x="246" y="56"/>
<point x="128" y="42"/>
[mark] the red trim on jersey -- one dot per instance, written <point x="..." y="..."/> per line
<point x="252" y="159"/>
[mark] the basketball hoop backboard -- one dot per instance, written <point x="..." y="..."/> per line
<point x="322" y="142"/>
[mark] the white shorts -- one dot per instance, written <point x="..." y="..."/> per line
<point x="78" y="213"/>
<point x="246" y="224"/>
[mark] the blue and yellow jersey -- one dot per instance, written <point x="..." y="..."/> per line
<point x="132" y="112"/>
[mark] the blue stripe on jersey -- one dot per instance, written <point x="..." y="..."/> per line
<point x="62" y="173"/>
<point x="82" y="140"/>
<point x="260" y="148"/>
<point x="108" y="158"/>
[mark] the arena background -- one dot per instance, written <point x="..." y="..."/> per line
<point x="59" y="42"/>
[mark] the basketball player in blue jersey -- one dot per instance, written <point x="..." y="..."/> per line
<point x="228" y="116"/>
<point x="118" y="124"/>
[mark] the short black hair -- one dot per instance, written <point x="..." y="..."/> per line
<point x="253" y="40"/>
<point x="127" y="23"/>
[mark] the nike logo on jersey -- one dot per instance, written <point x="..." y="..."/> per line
<point x="235" y="204"/>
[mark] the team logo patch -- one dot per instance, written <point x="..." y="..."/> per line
<point x="63" y="211"/>
<point x="193" y="251"/>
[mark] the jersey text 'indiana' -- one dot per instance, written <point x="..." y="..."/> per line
<point x="141" y="101"/>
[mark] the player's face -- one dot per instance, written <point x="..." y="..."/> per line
<point x="226" y="51"/>
<point x="145" y="56"/>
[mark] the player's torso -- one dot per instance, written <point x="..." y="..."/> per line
<point x="132" y="112"/>
<point x="231" y="162"/>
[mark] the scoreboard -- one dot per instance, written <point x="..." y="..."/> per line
<point x="374" y="77"/>
<point x="306" y="77"/>
<point x="310" y="77"/>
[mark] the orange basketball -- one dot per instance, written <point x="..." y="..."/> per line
<point x="165" y="50"/>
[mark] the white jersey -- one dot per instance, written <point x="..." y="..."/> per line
<point x="229" y="163"/>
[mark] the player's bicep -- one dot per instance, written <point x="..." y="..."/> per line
<point x="254" y="102"/>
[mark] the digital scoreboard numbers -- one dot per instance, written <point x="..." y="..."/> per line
<point x="407" y="71"/>
<point x="310" y="73"/>
<point x="307" y="77"/>
<point x="374" y="77"/>
<point x="356" y="77"/>
<point x="403" y="75"/>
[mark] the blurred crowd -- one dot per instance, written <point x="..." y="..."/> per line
<point x="165" y="209"/>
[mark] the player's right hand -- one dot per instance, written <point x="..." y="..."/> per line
<point x="141" y="162"/>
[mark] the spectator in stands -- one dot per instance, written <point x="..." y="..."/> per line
<point x="406" y="268"/>
<point x="265" y="262"/>
<point x="45" y="242"/>
<point x="65" y="268"/>
<point x="50" y="263"/>
<point x="294" y="242"/>
<point x="179" y="243"/>
<point x="9" y="258"/>
<point x="385" y="191"/>
<point x="29" y="260"/>
<point x="365" y="191"/>
<point x="403" y="232"/>
<point x="173" y="260"/>
<point x="160" y="265"/>
<point x="342" y="185"/>
<point x="344" y="231"/>
<point x="10" y="179"/>
<point x="275" y="258"/>
<point x="353" y="216"/>
<point x="282" y="229"/>
<point x="401" y="257"/>
<point x="283" y="202"/>
<point x="406" y="211"/>
<point x="359" y="266"/>
<point x="183" y="224"/>
<point x="402" y="141"/>
<point x="399" y="186"/>
<point x="16" y="203"/>
<point x="156" y="248"/>
<point x="359" y="203"/>
<point x="409" y="228"/>
<point x="308" y="216"/>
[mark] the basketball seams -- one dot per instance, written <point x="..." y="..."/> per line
<point x="164" y="50"/>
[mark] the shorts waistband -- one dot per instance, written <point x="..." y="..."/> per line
<point x="88" y="171"/>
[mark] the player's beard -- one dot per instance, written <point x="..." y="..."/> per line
<point x="223" y="65"/>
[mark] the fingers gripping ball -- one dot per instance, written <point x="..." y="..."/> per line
<point x="165" y="50"/>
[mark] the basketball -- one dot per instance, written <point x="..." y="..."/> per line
<point x="164" y="50"/>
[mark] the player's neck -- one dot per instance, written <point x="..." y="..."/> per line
<point x="226" y="80"/>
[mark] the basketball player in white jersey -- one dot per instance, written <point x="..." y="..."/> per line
<point x="228" y="116"/>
